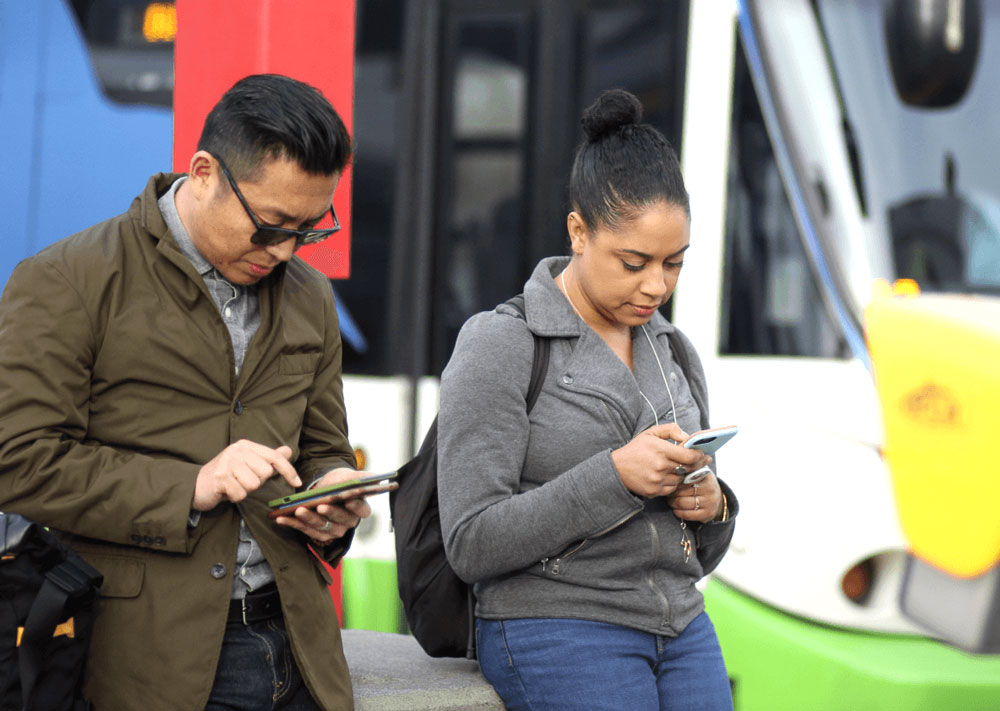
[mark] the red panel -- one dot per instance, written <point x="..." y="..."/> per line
<point x="336" y="590"/>
<point x="221" y="41"/>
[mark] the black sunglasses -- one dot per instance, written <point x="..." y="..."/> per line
<point x="267" y="235"/>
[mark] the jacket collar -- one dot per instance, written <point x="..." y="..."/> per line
<point x="549" y="314"/>
<point x="146" y="210"/>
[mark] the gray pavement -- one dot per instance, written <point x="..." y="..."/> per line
<point x="390" y="672"/>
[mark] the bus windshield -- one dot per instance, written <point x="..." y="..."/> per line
<point x="927" y="174"/>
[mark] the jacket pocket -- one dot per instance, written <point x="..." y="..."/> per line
<point x="297" y="363"/>
<point x="123" y="576"/>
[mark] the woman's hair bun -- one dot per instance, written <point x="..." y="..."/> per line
<point x="612" y="110"/>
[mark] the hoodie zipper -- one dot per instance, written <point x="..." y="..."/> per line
<point x="557" y="561"/>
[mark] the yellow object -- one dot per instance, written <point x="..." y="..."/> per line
<point x="936" y="361"/>
<point x="159" y="22"/>
<point x="360" y="458"/>
<point x="905" y="287"/>
<point x="67" y="628"/>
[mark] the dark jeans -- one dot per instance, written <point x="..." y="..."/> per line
<point x="549" y="664"/>
<point x="256" y="671"/>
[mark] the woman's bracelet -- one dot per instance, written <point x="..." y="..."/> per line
<point x="724" y="514"/>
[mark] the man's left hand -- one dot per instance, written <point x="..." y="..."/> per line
<point x="328" y="522"/>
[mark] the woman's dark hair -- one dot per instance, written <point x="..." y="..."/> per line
<point x="622" y="166"/>
<point x="273" y="116"/>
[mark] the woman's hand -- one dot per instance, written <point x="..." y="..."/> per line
<point x="647" y="464"/>
<point x="700" y="501"/>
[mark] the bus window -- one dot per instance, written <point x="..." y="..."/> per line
<point x="131" y="44"/>
<point x="639" y="46"/>
<point x="771" y="303"/>
<point x="462" y="161"/>
<point x="378" y="94"/>
<point x="481" y="254"/>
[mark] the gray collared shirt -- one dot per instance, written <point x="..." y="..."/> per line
<point x="240" y="309"/>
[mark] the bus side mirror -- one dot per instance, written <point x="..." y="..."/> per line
<point x="933" y="48"/>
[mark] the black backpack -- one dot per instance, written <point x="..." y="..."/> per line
<point x="47" y="596"/>
<point x="439" y="606"/>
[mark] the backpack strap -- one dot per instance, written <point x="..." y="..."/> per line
<point x="540" y="363"/>
<point x="71" y="580"/>
<point x="539" y="368"/>
<point x="679" y="351"/>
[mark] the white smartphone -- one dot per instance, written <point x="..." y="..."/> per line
<point x="708" y="441"/>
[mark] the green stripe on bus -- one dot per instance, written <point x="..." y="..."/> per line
<point x="779" y="661"/>
<point x="371" y="600"/>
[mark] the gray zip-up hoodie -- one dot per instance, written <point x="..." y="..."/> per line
<point x="532" y="508"/>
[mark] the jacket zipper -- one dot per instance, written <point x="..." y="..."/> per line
<point x="649" y="575"/>
<point x="557" y="561"/>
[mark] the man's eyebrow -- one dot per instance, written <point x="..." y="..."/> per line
<point x="643" y="255"/>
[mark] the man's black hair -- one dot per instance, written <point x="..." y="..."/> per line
<point x="622" y="166"/>
<point x="266" y="116"/>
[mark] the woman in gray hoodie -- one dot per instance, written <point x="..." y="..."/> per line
<point x="573" y="522"/>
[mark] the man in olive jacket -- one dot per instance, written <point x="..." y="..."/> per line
<point x="166" y="373"/>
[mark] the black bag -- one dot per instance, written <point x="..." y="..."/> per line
<point x="47" y="596"/>
<point x="439" y="606"/>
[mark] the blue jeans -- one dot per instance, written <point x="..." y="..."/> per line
<point x="256" y="671"/>
<point x="539" y="664"/>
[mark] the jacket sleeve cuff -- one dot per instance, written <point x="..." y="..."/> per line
<point x="333" y="551"/>
<point x="601" y="494"/>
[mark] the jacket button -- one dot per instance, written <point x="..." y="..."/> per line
<point x="135" y="538"/>
<point x="148" y="540"/>
<point x="160" y="541"/>
<point x="218" y="571"/>
<point x="568" y="379"/>
<point x="238" y="408"/>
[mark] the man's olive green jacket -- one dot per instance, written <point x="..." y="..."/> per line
<point x="117" y="383"/>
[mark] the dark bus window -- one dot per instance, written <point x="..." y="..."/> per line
<point x="480" y="249"/>
<point x="510" y="80"/>
<point x="639" y="46"/>
<point x="131" y="44"/>
<point x="771" y="303"/>
<point x="378" y="93"/>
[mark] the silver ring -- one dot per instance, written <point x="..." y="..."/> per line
<point x="696" y="504"/>
<point x="695" y="486"/>
<point x="679" y="470"/>
<point x="326" y="526"/>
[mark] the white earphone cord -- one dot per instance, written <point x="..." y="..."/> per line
<point x="673" y="408"/>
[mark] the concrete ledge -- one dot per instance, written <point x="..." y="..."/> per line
<point x="390" y="672"/>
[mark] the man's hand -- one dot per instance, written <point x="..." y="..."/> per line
<point x="239" y="469"/>
<point x="328" y="522"/>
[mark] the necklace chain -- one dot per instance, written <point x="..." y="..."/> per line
<point x="562" y="280"/>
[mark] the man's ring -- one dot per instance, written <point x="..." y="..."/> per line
<point x="679" y="470"/>
<point x="696" y="504"/>
<point x="326" y="526"/>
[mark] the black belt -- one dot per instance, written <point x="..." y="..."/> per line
<point x="257" y="606"/>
